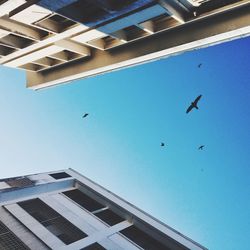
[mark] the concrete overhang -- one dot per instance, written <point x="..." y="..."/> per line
<point x="63" y="40"/>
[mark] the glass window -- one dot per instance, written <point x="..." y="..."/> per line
<point x="94" y="246"/>
<point x="9" y="241"/>
<point x="83" y="200"/>
<point x="60" y="175"/>
<point x="109" y="217"/>
<point x="143" y="239"/>
<point x="53" y="221"/>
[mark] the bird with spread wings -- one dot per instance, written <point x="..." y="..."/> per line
<point x="85" y="115"/>
<point x="194" y="104"/>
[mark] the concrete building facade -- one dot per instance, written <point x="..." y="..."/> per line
<point x="63" y="40"/>
<point x="64" y="210"/>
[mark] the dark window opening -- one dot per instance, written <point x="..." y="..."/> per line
<point x="83" y="200"/>
<point x="65" y="22"/>
<point x="134" y="32"/>
<point x="163" y="21"/>
<point x="94" y="246"/>
<point x="60" y="175"/>
<point x="53" y="221"/>
<point x="143" y="239"/>
<point x="16" y="42"/>
<point x="55" y="23"/>
<point x="32" y="67"/>
<point x="109" y="217"/>
<point x="9" y="241"/>
<point x="5" y="50"/>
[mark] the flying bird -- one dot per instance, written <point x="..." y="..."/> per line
<point x="85" y="115"/>
<point x="199" y="65"/>
<point x="162" y="144"/>
<point x="201" y="147"/>
<point x="194" y="104"/>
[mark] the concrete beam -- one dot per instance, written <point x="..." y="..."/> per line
<point x="35" y="227"/>
<point x="35" y="56"/>
<point x="89" y="36"/>
<point x="22" y="29"/>
<point x="120" y="34"/>
<point x="32" y="192"/>
<point x="46" y="61"/>
<point x="74" y="47"/>
<point x="98" y="44"/>
<point x="10" y="5"/>
<point x="4" y="32"/>
<point x="50" y="25"/>
<point x="98" y="236"/>
<point x="63" y="56"/>
<point x="173" y="9"/>
<point x="13" y="42"/>
<point x="148" y="26"/>
<point x="43" y="43"/>
<point x="56" y="202"/>
<point x="196" y="34"/>
<point x="31" y="14"/>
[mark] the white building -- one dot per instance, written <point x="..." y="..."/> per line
<point x="63" y="40"/>
<point x="64" y="210"/>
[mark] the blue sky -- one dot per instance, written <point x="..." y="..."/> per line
<point x="203" y="194"/>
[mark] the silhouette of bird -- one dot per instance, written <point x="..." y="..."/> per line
<point x="194" y="104"/>
<point x="85" y="115"/>
<point x="162" y="144"/>
<point x="199" y="65"/>
<point x="201" y="147"/>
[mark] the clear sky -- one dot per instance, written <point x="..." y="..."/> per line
<point x="203" y="194"/>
